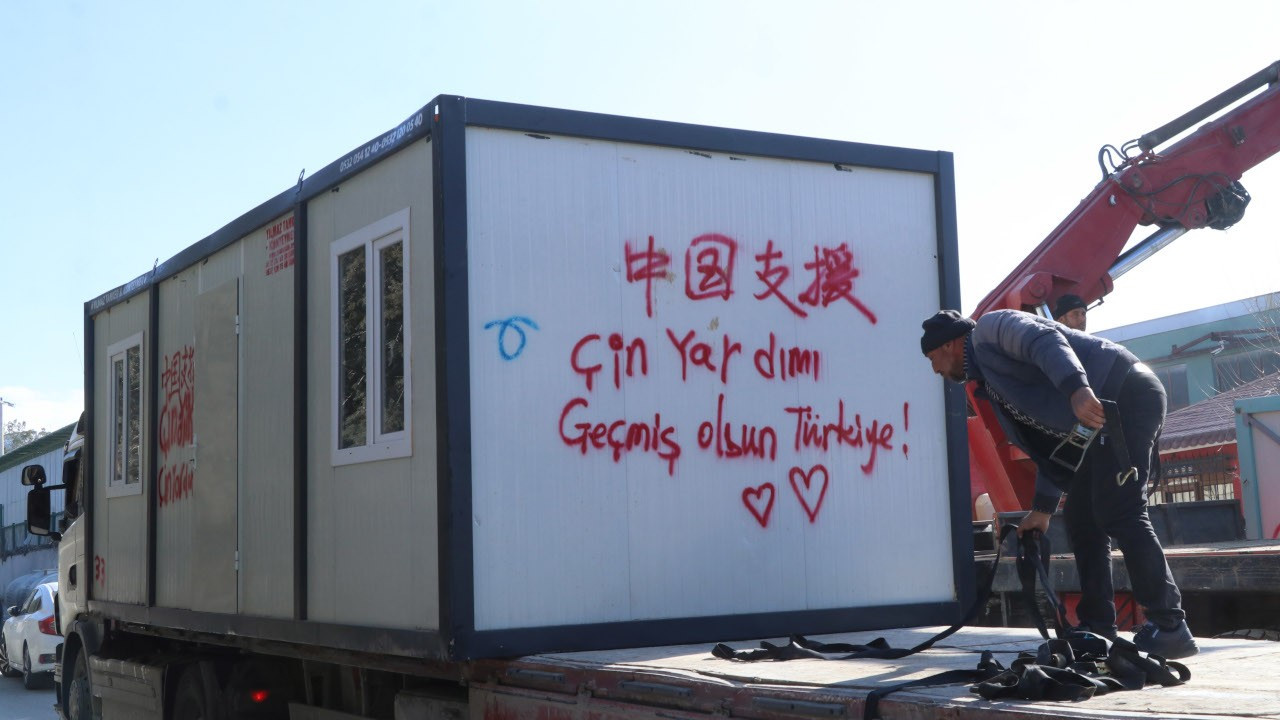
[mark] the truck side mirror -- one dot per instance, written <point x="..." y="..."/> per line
<point x="39" y="519"/>
<point x="12" y="610"/>
<point x="34" y="475"/>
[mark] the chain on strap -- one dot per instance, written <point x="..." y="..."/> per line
<point x="1020" y="416"/>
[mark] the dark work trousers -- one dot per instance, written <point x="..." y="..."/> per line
<point x="1098" y="509"/>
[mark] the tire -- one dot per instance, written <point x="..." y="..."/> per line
<point x="79" y="695"/>
<point x="30" y="680"/>
<point x="189" y="700"/>
<point x="6" y="668"/>
<point x="1252" y="634"/>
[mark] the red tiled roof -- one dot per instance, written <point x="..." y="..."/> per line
<point x="1212" y="421"/>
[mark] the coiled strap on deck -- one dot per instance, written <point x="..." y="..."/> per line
<point x="1073" y="666"/>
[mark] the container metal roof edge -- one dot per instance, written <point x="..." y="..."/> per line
<point x="414" y="127"/>
<point x="688" y="136"/>
<point x="533" y="118"/>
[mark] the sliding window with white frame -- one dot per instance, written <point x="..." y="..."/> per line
<point x="370" y="326"/>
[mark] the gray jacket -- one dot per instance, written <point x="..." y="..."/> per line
<point x="1035" y="364"/>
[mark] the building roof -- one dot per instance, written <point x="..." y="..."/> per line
<point x="36" y="448"/>
<point x="1215" y="313"/>
<point x="1212" y="421"/>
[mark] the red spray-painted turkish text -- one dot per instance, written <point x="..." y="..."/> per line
<point x="734" y="426"/>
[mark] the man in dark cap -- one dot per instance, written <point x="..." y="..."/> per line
<point x="1070" y="311"/>
<point x="1043" y="380"/>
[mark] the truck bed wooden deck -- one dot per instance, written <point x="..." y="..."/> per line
<point x="1230" y="678"/>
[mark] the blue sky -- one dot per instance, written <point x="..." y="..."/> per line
<point x="134" y="129"/>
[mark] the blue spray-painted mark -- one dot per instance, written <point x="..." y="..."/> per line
<point x="512" y="323"/>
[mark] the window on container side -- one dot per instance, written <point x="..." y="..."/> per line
<point x="371" y="397"/>
<point x="125" y="408"/>
<point x="352" y="348"/>
<point x="390" y="313"/>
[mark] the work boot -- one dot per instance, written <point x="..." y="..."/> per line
<point x="1168" y="643"/>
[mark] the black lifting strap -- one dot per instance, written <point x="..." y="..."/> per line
<point x="1033" y="562"/>
<point x="1114" y="430"/>
<point x="800" y="647"/>
<point x="1075" y="667"/>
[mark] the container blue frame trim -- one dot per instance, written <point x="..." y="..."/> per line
<point x="457" y="546"/>
<point x="1251" y="498"/>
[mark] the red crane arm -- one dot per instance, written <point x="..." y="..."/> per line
<point x="1176" y="187"/>
<point x="1193" y="183"/>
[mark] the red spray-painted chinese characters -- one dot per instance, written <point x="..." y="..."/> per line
<point x="710" y="260"/>
<point x="177" y="429"/>
<point x="608" y="363"/>
<point x="647" y="265"/>
<point x="709" y="266"/>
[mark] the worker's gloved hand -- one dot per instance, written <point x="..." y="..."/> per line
<point x="1034" y="520"/>
<point x="1087" y="408"/>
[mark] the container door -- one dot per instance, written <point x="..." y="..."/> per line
<point x="215" y="418"/>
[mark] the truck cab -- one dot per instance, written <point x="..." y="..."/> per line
<point x="71" y="600"/>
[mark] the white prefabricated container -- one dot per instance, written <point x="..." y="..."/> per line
<point x="511" y="379"/>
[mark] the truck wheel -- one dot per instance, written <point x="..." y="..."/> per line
<point x="79" y="702"/>
<point x="6" y="667"/>
<point x="189" y="701"/>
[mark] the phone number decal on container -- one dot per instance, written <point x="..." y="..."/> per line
<point x="386" y="142"/>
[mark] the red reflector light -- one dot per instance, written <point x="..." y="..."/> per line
<point x="258" y="696"/>
<point x="46" y="626"/>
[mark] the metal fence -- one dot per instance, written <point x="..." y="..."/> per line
<point x="1200" y="478"/>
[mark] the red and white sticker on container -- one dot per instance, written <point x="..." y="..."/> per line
<point x="280" y="245"/>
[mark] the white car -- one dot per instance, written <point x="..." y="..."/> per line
<point x="29" y="641"/>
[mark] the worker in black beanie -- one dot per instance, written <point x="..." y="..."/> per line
<point x="1070" y="311"/>
<point x="1042" y="379"/>
<point x="943" y="327"/>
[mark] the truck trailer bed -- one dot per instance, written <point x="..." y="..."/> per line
<point x="1226" y="586"/>
<point x="1230" y="678"/>
<point x="1235" y="566"/>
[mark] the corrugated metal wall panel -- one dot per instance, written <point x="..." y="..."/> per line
<point x="570" y="529"/>
<point x="13" y="510"/>
<point x="119" y="564"/>
<point x="13" y="494"/>
<point x="216" y="424"/>
<point x="266" y="422"/>
<point x="222" y="267"/>
<point x="372" y="527"/>
<point x="175" y="509"/>
<point x="196" y="537"/>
